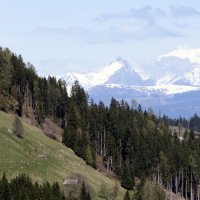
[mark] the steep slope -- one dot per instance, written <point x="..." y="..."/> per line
<point x="44" y="159"/>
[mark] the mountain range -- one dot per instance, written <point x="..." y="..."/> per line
<point x="172" y="86"/>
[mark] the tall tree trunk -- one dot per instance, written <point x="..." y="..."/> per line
<point x="108" y="163"/>
<point x="104" y="143"/>
<point x="176" y="183"/>
<point x="171" y="189"/>
<point x="182" y="183"/>
<point x="191" y="188"/>
<point x="120" y="155"/>
<point x="111" y="162"/>
<point x="158" y="174"/>
<point x="98" y="142"/>
<point x="101" y="145"/>
<point x="186" y="186"/>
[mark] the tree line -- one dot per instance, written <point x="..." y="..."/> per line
<point x="192" y="123"/>
<point x="22" y="187"/>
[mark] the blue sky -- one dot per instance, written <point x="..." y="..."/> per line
<point x="59" y="36"/>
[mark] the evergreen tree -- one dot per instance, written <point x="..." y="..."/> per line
<point x="126" y="179"/>
<point x="22" y="188"/>
<point x="70" y="131"/>
<point x="90" y="156"/>
<point x="4" y="189"/>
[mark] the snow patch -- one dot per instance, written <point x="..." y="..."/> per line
<point x="173" y="89"/>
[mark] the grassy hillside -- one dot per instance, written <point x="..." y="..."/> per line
<point x="44" y="159"/>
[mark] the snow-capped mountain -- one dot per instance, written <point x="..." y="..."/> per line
<point x="124" y="75"/>
<point x="174" y="76"/>
<point x="180" y="67"/>
<point x="118" y="72"/>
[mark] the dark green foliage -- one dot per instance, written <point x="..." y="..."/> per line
<point x="127" y="180"/>
<point x="75" y="133"/>
<point x="71" y="130"/>
<point x="5" y="72"/>
<point x="90" y="156"/>
<point x="20" y="88"/>
<point x="131" y="143"/>
<point x="22" y="188"/>
<point x="5" y="193"/>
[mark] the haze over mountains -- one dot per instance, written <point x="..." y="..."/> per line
<point x="172" y="86"/>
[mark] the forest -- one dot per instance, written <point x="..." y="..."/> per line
<point x="135" y="144"/>
<point x="23" y="188"/>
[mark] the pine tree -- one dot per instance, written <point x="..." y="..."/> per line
<point x="4" y="189"/>
<point x="90" y="156"/>
<point x="70" y="131"/>
<point x="164" y="167"/>
<point x="126" y="179"/>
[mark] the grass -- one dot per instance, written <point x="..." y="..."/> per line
<point x="57" y="163"/>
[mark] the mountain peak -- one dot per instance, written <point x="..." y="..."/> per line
<point x="122" y="60"/>
<point x="124" y="63"/>
<point x="121" y="73"/>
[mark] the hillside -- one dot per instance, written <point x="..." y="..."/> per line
<point x="45" y="159"/>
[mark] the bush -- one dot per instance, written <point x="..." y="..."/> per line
<point x="149" y="190"/>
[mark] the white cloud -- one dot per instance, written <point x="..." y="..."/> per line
<point x="113" y="34"/>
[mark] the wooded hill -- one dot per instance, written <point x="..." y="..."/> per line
<point x="132" y="142"/>
<point x="21" y="88"/>
<point x="46" y="160"/>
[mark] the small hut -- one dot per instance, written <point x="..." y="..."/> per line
<point x="70" y="182"/>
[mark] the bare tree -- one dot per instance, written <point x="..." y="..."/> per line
<point x="18" y="127"/>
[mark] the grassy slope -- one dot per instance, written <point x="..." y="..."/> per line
<point x="21" y="156"/>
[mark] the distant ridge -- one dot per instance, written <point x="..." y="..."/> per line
<point x="171" y="75"/>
